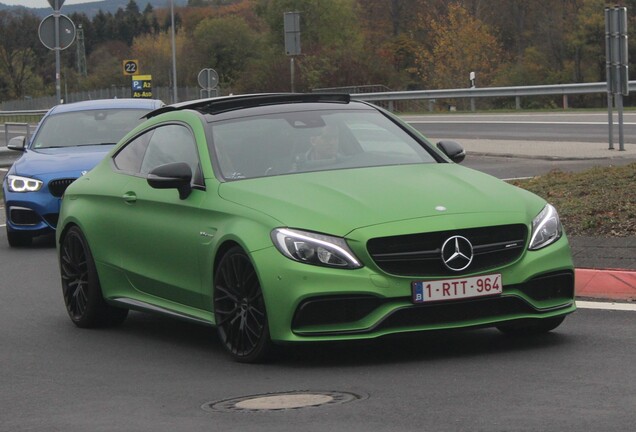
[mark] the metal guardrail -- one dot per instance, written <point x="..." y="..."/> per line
<point x="22" y="116"/>
<point x="491" y="92"/>
<point x="485" y="92"/>
<point x="9" y="126"/>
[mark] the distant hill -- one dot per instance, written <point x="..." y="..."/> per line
<point x="91" y="9"/>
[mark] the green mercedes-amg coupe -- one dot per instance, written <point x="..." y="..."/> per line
<point x="282" y="218"/>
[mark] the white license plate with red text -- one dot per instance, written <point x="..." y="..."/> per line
<point x="453" y="289"/>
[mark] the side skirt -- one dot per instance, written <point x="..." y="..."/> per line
<point x="140" y="306"/>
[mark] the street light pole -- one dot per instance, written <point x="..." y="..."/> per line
<point x="174" y="56"/>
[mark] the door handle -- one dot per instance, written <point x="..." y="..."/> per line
<point x="130" y="197"/>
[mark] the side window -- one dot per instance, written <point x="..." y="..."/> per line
<point x="130" y="157"/>
<point x="168" y="144"/>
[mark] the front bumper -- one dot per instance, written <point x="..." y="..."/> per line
<point x="309" y="303"/>
<point x="35" y="212"/>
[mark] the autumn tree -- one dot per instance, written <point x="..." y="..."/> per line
<point x="154" y="52"/>
<point x="461" y="44"/>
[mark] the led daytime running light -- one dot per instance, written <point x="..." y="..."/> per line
<point x="325" y="248"/>
<point x="23" y="184"/>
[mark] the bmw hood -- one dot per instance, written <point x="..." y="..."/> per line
<point x="338" y="202"/>
<point x="42" y="162"/>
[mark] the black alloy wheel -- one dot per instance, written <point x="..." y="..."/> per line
<point x="239" y="308"/>
<point x="80" y="285"/>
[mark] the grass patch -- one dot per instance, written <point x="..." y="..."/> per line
<point x="599" y="202"/>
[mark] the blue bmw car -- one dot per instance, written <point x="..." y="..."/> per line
<point x="68" y="142"/>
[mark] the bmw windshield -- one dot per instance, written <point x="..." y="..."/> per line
<point x="81" y="128"/>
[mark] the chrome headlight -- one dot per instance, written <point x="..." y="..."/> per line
<point x="546" y="228"/>
<point x="23" y="184"/>
<point x="313" y="248"/>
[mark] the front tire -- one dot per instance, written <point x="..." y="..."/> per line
<point x="531" y="328"/>
<point x="19" y="239"/>
<point x="239" y="308"/>
<point x="80" y="285"/>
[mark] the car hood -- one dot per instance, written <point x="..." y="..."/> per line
<point x="43" y="162"/>
<point x="338" y="202"/>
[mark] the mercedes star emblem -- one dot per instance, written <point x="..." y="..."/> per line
<point x="457" y="253"/>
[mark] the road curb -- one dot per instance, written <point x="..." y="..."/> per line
<point x="610" y="284"/>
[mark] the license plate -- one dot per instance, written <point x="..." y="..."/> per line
<point x="453" y="289"/>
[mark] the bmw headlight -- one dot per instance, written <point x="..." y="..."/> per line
<point x="313" y="248"/>
<point x="546" y="228"/>
<point x="23" y="184"/>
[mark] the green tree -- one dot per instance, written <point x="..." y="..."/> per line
<point x="105" y="65"/>
<point x="323" y="23"/>
<point x="20" y="53"/>
<point x="226" y="44"/>
<point x="332" y="43"/>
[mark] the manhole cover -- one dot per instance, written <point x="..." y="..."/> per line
<point x="282" y="401"/>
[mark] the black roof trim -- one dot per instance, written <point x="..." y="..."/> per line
<point x="229" y="103"/>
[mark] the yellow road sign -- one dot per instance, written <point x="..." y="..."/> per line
<point x="131" y="67"/>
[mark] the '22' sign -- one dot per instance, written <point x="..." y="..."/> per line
<point x="131" y="67"/>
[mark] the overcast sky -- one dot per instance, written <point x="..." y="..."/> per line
<point x="41" y="3"/>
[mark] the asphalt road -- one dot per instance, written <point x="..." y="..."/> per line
<point x="155" y="374"/>
<point x="577" y="127"/>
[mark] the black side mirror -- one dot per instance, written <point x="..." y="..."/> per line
<point x="176" y="175"/>
<point x="453" y="150"/>
<point x="17" y="143"/>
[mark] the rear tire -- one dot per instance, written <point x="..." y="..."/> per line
<point x="19" y="239"/>
<point x="80" y="285"/>
<point x="530" y="328"/>
<point x="239" y="308"/>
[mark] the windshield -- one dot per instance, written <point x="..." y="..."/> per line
<point x="90" y="127"/>
<point x="293" y="142"/>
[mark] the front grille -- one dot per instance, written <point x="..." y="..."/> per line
<point x="23" y="216"/>
<point x="420" y="254"/>
<point x="57" y="187"/>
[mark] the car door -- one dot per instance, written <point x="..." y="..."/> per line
<point x="158" y="231"/>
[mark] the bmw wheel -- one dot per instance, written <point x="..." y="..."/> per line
<point x="529" y="328"/>
<point x="239" y="308"/>
<point x="80" y="285"/>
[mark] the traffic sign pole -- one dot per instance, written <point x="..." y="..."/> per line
<point x="51" y="37"/>
<point x="58" y="87"/>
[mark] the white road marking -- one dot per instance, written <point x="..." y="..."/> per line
<point x="512" y="122"/>
<point x="517" y="178"/>
<point x="606" y="306"/>
<point x="561" y="114"/>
